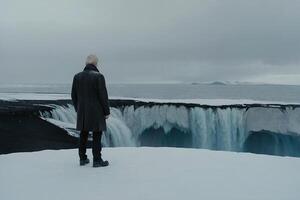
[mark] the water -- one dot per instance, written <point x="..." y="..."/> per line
<point x="284" y="93"/>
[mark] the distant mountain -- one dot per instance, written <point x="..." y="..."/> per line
<point x="233" y="83"/>
<point x="213" y="83"/>
<point x="219" y="83"/>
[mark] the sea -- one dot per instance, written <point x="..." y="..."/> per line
<point x="263" y="92"/>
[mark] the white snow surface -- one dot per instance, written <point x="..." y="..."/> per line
<point x="212" y="102"/>
<point x="32" y="96"/>
<point x="149" y="173"/>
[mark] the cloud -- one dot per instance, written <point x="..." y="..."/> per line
<point x="158" y="40"/>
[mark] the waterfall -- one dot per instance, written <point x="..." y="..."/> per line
<point x="117" y="134"/>
<point x="198" y="127"/>
<point x="221" y="129"/>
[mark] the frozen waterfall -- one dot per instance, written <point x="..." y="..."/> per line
<point x="198" y="127"/>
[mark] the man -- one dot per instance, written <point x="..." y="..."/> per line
<point x="90" y="100"/>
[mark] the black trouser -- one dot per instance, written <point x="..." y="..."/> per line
<point x="97" y="147"/>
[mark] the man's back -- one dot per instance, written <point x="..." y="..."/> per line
<point x="87" y="85"/>
<point x="90" y="99"/>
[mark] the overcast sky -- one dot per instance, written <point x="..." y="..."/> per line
<point x="151" y="41"/>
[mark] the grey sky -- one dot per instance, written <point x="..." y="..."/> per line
<point x="150" y="41"/>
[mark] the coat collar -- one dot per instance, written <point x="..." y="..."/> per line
<point x="90" y="67"/>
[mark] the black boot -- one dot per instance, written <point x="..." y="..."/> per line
<point x="84" y="161"/>
<point x="100" y="163"/>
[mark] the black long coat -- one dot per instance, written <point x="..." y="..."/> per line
<point x="90" y="99"/>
